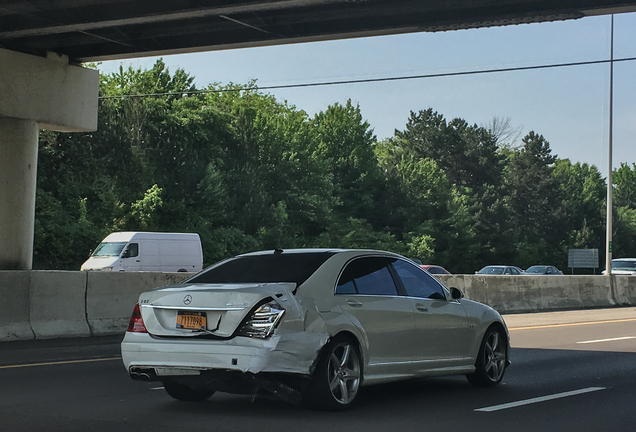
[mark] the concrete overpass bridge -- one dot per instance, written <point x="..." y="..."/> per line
<point x="42" y="45"/>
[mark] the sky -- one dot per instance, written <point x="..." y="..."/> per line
<point x="569" y="106"/>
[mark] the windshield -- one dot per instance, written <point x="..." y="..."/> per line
<point x="491" y="270"/>
<point x="277" y="267"/>
<point x="109" y="249"/>
<point x="536" y="269"/>
<point x="624" y="265"/>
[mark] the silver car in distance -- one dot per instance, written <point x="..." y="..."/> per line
<point x="311" y="326"/>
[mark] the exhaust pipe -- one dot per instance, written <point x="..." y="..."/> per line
<point x="141" y="374"/>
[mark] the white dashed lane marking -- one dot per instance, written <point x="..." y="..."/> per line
<point x="539" y="399"/>
<point x="607" y="340"/>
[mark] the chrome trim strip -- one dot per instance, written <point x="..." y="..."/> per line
<point x="454" y="359"/>
<point x="193" y="308"/>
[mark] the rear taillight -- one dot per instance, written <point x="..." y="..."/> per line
<point x="263" y="321"/>
<point x="136" y="323"/>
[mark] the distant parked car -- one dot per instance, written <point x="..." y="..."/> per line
<point x="623" y="266"/>
<point x="435" y="269"/>
<point x="500" y="270"/>
<point x="543" y="270"/>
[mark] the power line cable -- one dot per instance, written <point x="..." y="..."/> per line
<point x="371" y="80"/>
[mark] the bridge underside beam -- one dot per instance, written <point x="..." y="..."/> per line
<point x="115" y="29"/>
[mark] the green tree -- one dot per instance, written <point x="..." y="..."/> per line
<point x="89" y="182"/>
<point x="471" y="161"/>
<point x="345" y="141"/>
<point x="275" y="183"/>
<point x="624" y="232"/>
<point x="426" y="211"/>
<point x="624" y="204"/>
<point x="624" y="186"/>
<point x="534" y="200"/>
<point x="580" y="214"/>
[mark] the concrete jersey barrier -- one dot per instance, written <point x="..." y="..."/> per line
<point x="58" y="304"/>
<point x="516" y="294"/>
<point x="14" y="306"/>
<point x="51" y="304"/>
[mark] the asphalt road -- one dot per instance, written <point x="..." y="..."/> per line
<point x="572" y="371"/>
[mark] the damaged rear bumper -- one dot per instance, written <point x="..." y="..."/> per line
<point x="287" y="352"/>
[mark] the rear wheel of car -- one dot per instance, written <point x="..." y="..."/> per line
<point x="186" y="393"/>
<point x="491" y="360"/>
<point x="336" y="382"/>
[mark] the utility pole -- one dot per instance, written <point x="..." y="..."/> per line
<point x="608" y="248"/>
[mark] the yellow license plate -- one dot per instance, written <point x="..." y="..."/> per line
<point x="191" y="320"/>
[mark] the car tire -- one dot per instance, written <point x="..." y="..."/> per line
<point x="336" y="381"/>
<point x="491" y="360"/>
<point x="186" y="393"/>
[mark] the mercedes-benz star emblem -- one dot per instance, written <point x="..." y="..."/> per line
<point x="187" y="299"/>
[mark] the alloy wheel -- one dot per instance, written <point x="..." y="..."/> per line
<point x="495" y="357"/>
<point x="344" y="373"/>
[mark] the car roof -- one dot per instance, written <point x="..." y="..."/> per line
<point x="307" y="250"/>
<point x="323" y="250"/>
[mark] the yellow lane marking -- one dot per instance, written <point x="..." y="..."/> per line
<point x="571" y="324"/>
<point x="60" y="362"/>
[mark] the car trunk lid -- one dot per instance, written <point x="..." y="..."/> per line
<point x="190" y="310"/>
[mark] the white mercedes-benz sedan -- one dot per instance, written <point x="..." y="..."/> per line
<point x="311" y="326"/>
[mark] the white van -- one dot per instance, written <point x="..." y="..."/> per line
<point x="147" y="251"/>
<point x="623" y="266"/>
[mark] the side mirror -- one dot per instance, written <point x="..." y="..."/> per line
<point x="456" y="293"/>
<point x="126" y="254"/>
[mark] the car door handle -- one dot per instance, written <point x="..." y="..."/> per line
<point x="354" y="303"/>
<point x="420" y="307"/>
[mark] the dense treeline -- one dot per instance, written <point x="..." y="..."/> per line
<point x="248" y="172"/>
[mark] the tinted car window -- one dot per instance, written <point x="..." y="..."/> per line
<point x="277" y="267"/>
<point x="132" y="251"/>
<point x="369" y="276"/>
<point x="435" y="270"/>
<point x="416" y="282"/>
<point x="491" y="270"/>
<point x="514" y="271"/>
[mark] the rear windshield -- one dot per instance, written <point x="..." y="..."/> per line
<point x="279" y="267"/>
<point x="491" y="270"/>
<point x="536" y="269"/>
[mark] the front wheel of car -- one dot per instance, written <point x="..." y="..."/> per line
<point x="186" y="393"/>
<point x="491" y="360"/>
<point x="337" y="378"/>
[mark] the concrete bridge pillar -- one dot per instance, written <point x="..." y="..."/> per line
<point x="35" y="93"/>
<point x="18" y="167"/>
